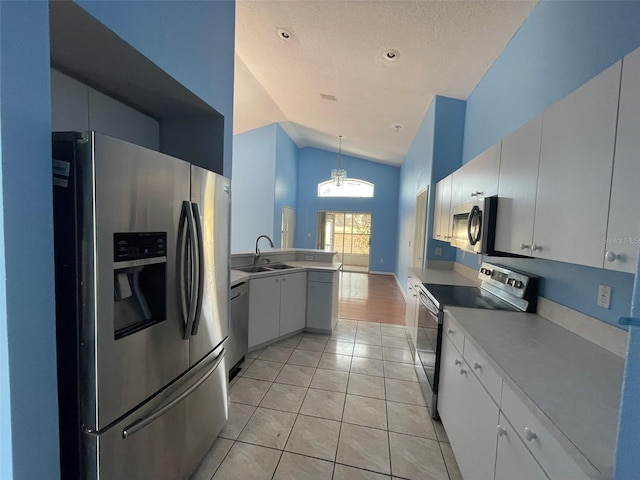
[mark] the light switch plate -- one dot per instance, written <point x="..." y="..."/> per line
<point x="604" y="296"/>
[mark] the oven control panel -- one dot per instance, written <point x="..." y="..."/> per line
<point x="502" y="278"/>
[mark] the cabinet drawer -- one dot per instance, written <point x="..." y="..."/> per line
<point x="326" y="277"/>
<point x="483" y="370"/>
<point x="545" y="448"/>
<point x="453" y="331"/>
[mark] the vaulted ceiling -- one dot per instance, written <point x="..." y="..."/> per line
<point x="367" y="70"/>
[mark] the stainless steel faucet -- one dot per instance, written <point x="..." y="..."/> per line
<point x="255" y="261"/>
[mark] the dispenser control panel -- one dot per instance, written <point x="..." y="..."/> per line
<point x="136" y="246"/>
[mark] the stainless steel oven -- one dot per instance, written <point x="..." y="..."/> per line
<point x="501" y="289"/>
<point x="428" y="344"/>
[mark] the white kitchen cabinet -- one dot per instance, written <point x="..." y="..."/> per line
<point x="469" y="415"/>
<point x="574" y="181"/>
<point x="555" y="461"/>
<point x="457" y="181"/>
<point x="322" y="300"/>
<point x="623" y="231"/>
<point x="411" y="312"/>
<point x="480" y="177"/>
<point x="517" y="187"/>
<point x="513" y="460"/>
<point x="293" y="302"/>
<point x="276" y="306"/>
<point x="264" y="310"/>
<point x="442" y="214"/>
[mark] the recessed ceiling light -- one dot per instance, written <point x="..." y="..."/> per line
<point x="325" y="96"/>
<point x="392" y="55"/>
<point x="285" y="34"/>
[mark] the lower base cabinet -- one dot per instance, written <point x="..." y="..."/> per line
<point x="277" y="306"/>
<point x="322" y="300"/>
<point x="513" y="460"/>
<point x="469" y="415"/>
<point x="495" y="438"/>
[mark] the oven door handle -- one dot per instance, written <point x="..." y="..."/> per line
<point x="428" y="304"/>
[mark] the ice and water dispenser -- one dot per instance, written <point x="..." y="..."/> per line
<point x="139" y="281"/>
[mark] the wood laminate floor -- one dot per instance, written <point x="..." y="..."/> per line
<point x="371" y="298"/>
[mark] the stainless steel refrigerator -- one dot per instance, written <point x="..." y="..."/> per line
<point x="142" y="305"/>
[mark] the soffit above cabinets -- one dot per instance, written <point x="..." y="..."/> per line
<point x="87" y="50"/>
<point x="341" y="49"/>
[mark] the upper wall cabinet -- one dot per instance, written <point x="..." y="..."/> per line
<point x="480" y="177"/>
<point x="574" y="181"/>
<point x="623" y="232"/>
<point x="457" y="180"/>
<point x="442" y="215"/>
<point x="517" y="189"/>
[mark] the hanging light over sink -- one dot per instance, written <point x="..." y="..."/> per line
<point x="339" y="175"/>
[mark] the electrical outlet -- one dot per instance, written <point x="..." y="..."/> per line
<point x="604" y="296"/>
<point x="308" y="257"/>
<point x="438" y="251"/>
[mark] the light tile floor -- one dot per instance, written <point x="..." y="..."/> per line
<point x="345" y="406"/>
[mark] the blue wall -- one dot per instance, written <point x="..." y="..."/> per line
<point x="627" y="458"/>
<point x="314" y="166"/>
<point x="286" y="180"/>
<point x="252" y="187"/>
<point x="28" y="393"/>
<point x="192" y="41"/>
<point x="447" y="157"/>
<point x="196" y="46"/>
<point x="560" y="46"/>
<point x="435" y="152"/>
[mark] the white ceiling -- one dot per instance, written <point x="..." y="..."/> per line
<point x="338" y="48"/>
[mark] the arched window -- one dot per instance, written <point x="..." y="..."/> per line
<point x="352" y="187"/>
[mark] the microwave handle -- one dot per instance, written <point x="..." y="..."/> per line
<point x="475" y="212"/>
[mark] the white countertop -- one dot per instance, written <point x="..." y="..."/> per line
<point x="238" y="277"/>
<point x="573" y="382"/>
<point x="442" y="277"/>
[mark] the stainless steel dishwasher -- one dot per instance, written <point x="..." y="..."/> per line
<point x="238" y="327"/>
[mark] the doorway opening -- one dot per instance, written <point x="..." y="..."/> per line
<point x="349" y="233"/>
<point x="288" y="227"/>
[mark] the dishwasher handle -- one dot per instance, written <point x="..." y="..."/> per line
<point x="239" y="290"/>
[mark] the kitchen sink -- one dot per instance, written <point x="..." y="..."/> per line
<point x="278" y="266"/>
<point x="251" y="269"/>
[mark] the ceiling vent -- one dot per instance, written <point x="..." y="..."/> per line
<point x="331" y="98"/>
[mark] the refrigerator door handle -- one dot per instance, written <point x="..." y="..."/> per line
<point x="143" y="422"/>
<point x="181" y="267"/>
<point x="201" y="267"/>
<point x="193" y="277"/>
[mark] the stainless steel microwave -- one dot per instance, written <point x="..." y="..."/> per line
<point x="474" y="226"/>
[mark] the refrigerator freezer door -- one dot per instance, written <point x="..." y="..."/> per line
<point x="167" y="437"/>
<point x="210" y="198"/>
<point x="133" y="190"/>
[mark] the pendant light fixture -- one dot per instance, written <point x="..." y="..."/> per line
<point x="339" y="175"/>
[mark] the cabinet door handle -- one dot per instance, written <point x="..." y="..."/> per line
<point x="529" y="434"/>
<point x="612" y="256"/>
<point x="524" y="246"/>
<point x="462" y="371"/>
<point x="535" y="247"/>
<point x="477" y="366"/>
<point x="457" y="361"/>
<point x="501" y="431"/>
<point x="449" y="331"/>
